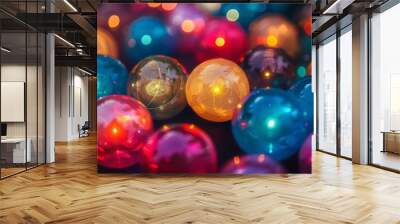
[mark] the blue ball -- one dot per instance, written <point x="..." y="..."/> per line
<point x="148" y="36"/>
<point x="112" y="76"/>
<point x="270" y="122"/>
<point x="303" y="89"/>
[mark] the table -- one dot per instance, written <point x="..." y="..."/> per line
<point x="391" y="141"/>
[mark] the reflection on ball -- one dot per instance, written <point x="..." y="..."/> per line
<point x="222" y="38"/>
<point x="215" y="88"/>
<point x="268" y="68"/>
<point x="270" y="122"/>
<point x="106" y="44"/>
<point x="182" y="148"/>
<point x="276" y="32"/>
<point x="111" y="76"/>
<point x="242" y="13"/>
<point x="303" y="90"/>
<point x="123" y="127"/>
<point x="148" y="36"/>
<point x="305" y="156"/>
<point x="252" y="164"/>
<point x="159" y="83"/>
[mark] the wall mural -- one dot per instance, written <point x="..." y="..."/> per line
<point x="204" y="88"/>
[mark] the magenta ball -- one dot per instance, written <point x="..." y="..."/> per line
<point x="222" y="39"/>
<point x="182" y="148"/>
<point x="252" y="164"/>
<point x="305" y="156"/>
<point x="186" y="23"/>
<point x="124" y="125"/>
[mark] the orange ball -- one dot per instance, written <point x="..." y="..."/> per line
<point x="215" y="88"/>
<point x="106" y="44"/>
<point x="275" y="32"/>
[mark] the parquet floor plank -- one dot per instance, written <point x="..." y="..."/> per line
<point x="71" y="191"/>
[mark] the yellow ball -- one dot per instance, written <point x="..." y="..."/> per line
<point x="215" y="88"/>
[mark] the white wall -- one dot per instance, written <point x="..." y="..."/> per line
<point x="71" y="94"/>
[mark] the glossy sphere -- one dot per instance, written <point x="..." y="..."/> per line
<point x="123" y="126"/>
<point x="276" y="32"/>
<point x="222" y="38"/>
<point x="268" y="68"/>
<point x="303" y="89"/>
<point x="111" y="76"/>
<point x="215" y="88"/>
<point x="181" y="148"/>
<point x="187" y="22"/>
<point x="159" y="83"/>
<point x="305" y="156"/>
<point x="106" y="44"/>
<point x="270" y="122"/>
<point x="252" y="164"/>
<point x="148" y="36"/>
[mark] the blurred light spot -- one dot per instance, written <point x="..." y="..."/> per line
<point x="168" y="6"/>
<point x="261" y="158"/>
<point x="146" y="39"/>
<point x="301" y="71"/>
<point x="219" y="42"/>
<point x="236" y="160"/>
<point x="272" y="41"/>
<point x="232" y="15"/>
<point x="113" y="21"/>
<point x="187" y="26"/>
<point x="154" y="4"/>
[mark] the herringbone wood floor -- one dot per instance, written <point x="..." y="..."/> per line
<point x="70" y="191"/>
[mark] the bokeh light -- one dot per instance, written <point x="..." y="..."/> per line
<point x="113" y="21"/>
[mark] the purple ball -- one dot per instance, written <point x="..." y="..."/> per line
<point x="269" y="68"/>
<point x="252" y="164"/>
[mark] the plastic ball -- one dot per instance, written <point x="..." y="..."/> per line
<point x="224" y="39"/>
<point x="275" y="32"/>
<point x="268" y="68"/>
<point x="303" y="89"/>
<point x="242" y="13"/>
<point x="270" y="122"/>
<point x="106" y="44"/>
<point x="111" y="76"/>
<point x="148" y="36"/>
<point x="305" y="156"/>
<point x="252" y="164"/>
<point x="215" y="88"/>
<point x="159" y="83"/>
<point x="182" y="148"/>
<point x="187" y="22"/>
<point x="123" y="127"/>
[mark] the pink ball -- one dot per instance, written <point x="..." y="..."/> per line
<point x="222" y="39"/>
<point x="305" y="156"/>
<point x="182" y="148"/>
<point x="252" y="164"/>
<point x="123" y="127"/>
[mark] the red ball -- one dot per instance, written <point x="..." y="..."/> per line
<point x="222" y="39"/>
<point x="123" y="127"/>
<point x="182" y="148"/>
